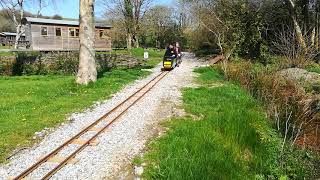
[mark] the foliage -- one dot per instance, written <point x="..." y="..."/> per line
<point x="245" y="38"/>
<point x="34" y="63"/>
<point x="157" y="26"/>
<point x="250" y="28"/>
<point x="296" y="161"/>
<point x="6" y="24"/>
<point x="226" y="137"/>
<point x="31" y="103"/>
<point x="293" y="108"/>
<point x="160" y="28"/>
<point x="314" y="68"/>
<point x="155" y="55"/>
<point x="126" y="16"/>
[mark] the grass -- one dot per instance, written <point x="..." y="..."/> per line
<point x="155" y="56"/>
<point x="5" y="47"/>
<point x="315" y="69"/>
<point x="31" y="103"/>
<point x="7" y="54"/>
<point x="231" y="139"/>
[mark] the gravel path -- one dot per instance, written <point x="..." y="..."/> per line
<point x="125" y="139"/>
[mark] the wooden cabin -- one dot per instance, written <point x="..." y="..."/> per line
<point x="9" y="38"/>
<point x="61" y="35"/>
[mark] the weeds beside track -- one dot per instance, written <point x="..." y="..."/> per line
<point x="231" y="138"/>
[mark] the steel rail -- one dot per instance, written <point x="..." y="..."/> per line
<point x="65" y="161"/>
<point x="58" y="149"/>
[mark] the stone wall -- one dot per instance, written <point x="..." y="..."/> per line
<point x="7" y="64"/>
<point x="60" y="63"/>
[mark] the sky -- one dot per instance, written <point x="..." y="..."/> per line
<point x="70" y="8"/>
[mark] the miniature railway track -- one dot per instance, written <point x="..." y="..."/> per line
<point x="113" y="115"/>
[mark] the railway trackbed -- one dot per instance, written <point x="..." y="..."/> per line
<point x="89" y="135"/>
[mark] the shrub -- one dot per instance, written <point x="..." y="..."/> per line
<point x="295" y="111"/>
<point x="64" y="63"/>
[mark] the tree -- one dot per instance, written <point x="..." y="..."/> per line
<point x="291" y="6"/>
<point x="6" y="24"/>
<point x="57" y="16"/>
<point x="17" y="12"/>
<point x="130" y="12"/>
<point x="87" y="66"/>
<point x="159" y="24"/>
<point x="15" y="6"/>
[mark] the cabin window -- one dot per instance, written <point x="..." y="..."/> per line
<point x="103" y="34"/>
<point x="73" y="32"/>
<point x="77" y="32"/>
<point x="58" y="32"/>
<point x="44" y="31"/>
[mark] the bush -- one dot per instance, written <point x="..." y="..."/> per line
<point x="295" y="111"/>
<point x="206" y="52"/>
<point x="65" y="63"/>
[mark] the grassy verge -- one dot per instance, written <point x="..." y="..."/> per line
<point x="155" y="56"/>
<point x="232" y="138"/>
<point x="314" y="69"/>
<point x="31" y="103"/>
<point x="7" y="53"/>
<point x="5" y="47"/>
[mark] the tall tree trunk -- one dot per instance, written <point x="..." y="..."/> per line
<point x="306" y="16"/>
<point x="18" y="35"/>
<point x="296" y="25"/>
<point x="129" y="41"/>
<point x="316" y="38"/>
<point x="317" y="26"/>
<point x="87" y="65"/>
<point x="313" y="37"/>
<point x="18" y="24"/>
<point x="136" y="41"/>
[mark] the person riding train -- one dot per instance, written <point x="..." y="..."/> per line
<point x="179" y="53"/>
<point x="170" y="58"/>
<point x="170" y="52"/>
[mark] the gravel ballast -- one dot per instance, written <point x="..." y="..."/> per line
<point x="123" y="141"/>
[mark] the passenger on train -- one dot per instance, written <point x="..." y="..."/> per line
<point x="179" y="53"/>
<point x="170" y="52"/>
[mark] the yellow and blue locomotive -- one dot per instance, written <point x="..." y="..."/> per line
<point x="169" y="63"/>
<point x="170" y="58"/>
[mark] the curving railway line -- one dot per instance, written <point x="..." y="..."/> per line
<point x="98" y="127"/>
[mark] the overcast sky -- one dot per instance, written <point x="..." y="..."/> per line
<point x="70" y="8"/>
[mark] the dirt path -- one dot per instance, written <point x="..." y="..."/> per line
<point x="126" y="139"/>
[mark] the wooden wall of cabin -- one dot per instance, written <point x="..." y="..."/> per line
<point x="65" y="41"/>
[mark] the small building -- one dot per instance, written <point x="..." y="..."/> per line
<point x="9" y="38"/>
<point x="61" y="35"/>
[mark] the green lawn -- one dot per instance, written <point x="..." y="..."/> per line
<point x="155" y="56"/>
<point x="7" y="54"/>
<point x="5" y="47"/>
<point x="314" y="69"/>
<point x="30" y="103"/>
<point x="231" y="139"/>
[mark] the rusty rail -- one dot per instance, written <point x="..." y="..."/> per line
<point x="43" y="160"/>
